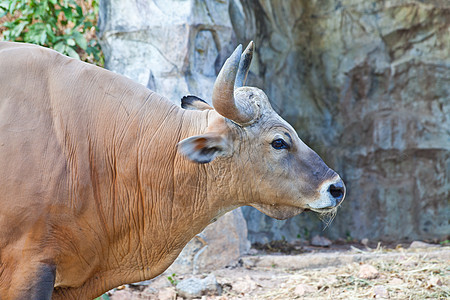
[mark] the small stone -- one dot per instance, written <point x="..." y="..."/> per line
<point x="320" y="241"/>
<point x="252" y="251"/>
<point x="434" y="281"/>
<point x="245" y="285"/>
<point x="161" y="282"/>
<point x="195" y="288"/>
<point x="149" y="291"/>
<point x="327" y="281"/>
<point x="408" y="262"/>
<point x="122" y="295"/>
<point x="368" y="272"/>
<point x="303" y="289"/>
<point x="421" y="245"/>
<point x="212" y="287"/>
<point x="190" y="288"/>
<point x="300" y="242"/>
<point x="396" y="281"/>
<point x="167" y="294"/>
<point x="365" y="241"/>
<point x="380" y="291"/>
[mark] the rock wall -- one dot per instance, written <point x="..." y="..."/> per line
<point x="172" y="47"/>
<point x="365" y="83"/>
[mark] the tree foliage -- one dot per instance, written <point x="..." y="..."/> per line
<point x="68" y="26"/>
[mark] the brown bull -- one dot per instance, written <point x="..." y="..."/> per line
<point x="103" y="182"/>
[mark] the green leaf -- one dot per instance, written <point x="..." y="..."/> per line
<point x="43" y="38"/>
<point x="31" y="37"/>
<point x="80" y="39"/>
<point x="72" y="53"/>
<point x="36" y="34"/>
<point x="88" y="24"/>
<point x="27" y="10"/>
<point x="80" y="22"/>
<point x="6" y="35"/>
<point x="16" y="31"/>
<point x="79" y="10"/>
<point x="40" y="22"/>
<point x="12" y="6"/>
<point x="51" y="36"/>
<point x="60" y="47"/>
<point x="68" y="13"/>
<point x="70" y="42"/>
<point x="4" y="4"/>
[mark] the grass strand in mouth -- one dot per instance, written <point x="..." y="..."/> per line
<point x="327" y="217"/>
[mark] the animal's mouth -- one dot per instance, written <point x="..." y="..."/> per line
<point x="280" y="212"/>
<point x="325" y="210"/>
<point x="283" y="211"/>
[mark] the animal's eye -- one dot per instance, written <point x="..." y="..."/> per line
<point x="279" y="144"/>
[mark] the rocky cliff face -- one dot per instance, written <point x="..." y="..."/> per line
<point x="172" y="47"/>
<point x="365" y="83"/>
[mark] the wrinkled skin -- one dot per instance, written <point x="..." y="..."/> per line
<point x="103" y="182"/>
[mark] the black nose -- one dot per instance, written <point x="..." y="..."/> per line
<point x="337" y="190"/>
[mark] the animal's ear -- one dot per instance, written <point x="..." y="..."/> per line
<point x="204" y="148"/>
<point x="194" y="103"/>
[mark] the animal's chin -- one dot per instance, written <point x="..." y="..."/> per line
<point x="323" y="211"/>
<point x="280" y="212"/>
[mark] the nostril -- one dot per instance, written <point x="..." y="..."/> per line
<point x="337" y="191"/>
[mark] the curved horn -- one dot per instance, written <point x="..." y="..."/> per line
<point x="223" y="92"/>
<point x="244" y="65"/>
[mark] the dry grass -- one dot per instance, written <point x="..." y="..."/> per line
<point x="408" y="278"/>
<point x="400" y="274"/>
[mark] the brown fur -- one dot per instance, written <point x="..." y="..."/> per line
<point x="91" y="181"/>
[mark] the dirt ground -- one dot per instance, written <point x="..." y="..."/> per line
<point x="349" y="272"/>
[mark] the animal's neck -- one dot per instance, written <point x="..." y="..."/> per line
<point x="174" y="198"/>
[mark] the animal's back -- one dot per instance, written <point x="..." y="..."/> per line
<point x="25" y="136"/>
<point x="53" y="111"/>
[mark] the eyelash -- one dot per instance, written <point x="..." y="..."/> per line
<point x="280" y="144"/>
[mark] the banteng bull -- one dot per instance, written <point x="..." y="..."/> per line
<point x="103" y="182"/>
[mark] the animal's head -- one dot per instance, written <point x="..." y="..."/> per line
<point x="270" y="166"/>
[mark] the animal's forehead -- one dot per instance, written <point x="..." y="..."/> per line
<point x="259" y="100"/>
<point x="273" y="123"/>
<point x="268" y="119"/>
<point x="253" y="94"/>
